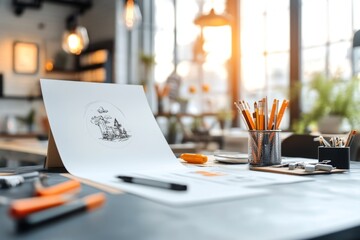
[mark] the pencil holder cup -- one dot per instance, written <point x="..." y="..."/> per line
<point x="339" y="156"/>
<point x="264" y="148"/>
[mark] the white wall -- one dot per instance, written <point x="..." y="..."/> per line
<point x="26" y="28"/>
<point x="100" y="21"/>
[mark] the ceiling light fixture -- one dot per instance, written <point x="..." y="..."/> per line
<point x="75" y="38"/>
<point x="132" y="15"/>
<point x="212" y="19"/>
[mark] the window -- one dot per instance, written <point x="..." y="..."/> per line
<point x="265" y="51"/>
<point x="327" y="28"/>
<point x="208" y="77"/>
<point x="326" y="42"/>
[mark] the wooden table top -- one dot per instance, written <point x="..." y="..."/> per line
<point x="28" y="145"/>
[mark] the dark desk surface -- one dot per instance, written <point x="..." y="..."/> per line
<point x="327" y="208"/>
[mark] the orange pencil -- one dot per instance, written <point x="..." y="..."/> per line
<point x="266" y="113"/>
<point x="256" y="116"/>
<point x="261" y="115"/>
<point x="272" y="115"/>
<point x="350" y="138"/>
<point x="248" y="116"/>
<point x="284" y="105"/>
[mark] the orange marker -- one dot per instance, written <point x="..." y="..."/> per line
<point x="22" y="207"/>
<point x="71" y="185"/>
<point x="80" y="205"/>
<point x="194" y="158"/>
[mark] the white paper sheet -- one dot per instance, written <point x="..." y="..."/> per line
<point x="82" y="118"/>
<point x="103" y="130"/>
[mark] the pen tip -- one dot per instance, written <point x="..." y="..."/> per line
<point x="125" y="178"/>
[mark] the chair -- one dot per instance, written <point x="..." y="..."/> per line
<point x="300" y="145"/>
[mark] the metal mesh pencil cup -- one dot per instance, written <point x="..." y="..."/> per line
<point x="264" y="148"/>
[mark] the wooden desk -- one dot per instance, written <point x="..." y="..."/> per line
<point x="17" y="150"/>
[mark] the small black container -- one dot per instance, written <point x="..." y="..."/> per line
<point x="339" y="156"/>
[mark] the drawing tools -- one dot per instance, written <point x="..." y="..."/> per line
<point x="241" y="114"/>
<point x="276" y="114"/>
<point x="266" y="112"/>
<point x="272" y="115"/>
<point x="283" y="107"/>
<point x="256" y="115"/>
<point x="68" y="186"/>
<point x="245" y="115"/>
<point x="324" y="142"/>
<point x="10" y="181"/>
<point x="246" y="110"/>
<point x="350" y="138"/>
<point x="194" y="158"/>
<point x="22" y="207"/>
<point x="336" y="141"/>
<point x="263" y="128"/>
<point x="261" y="115"/>
<point x="260" y="119"/>
<point x="76" y="206"/>
<point x="154" y="183"/>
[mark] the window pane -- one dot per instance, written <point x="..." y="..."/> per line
<point x="253" y="74"/>
<point x="164" y="15"/>
<point x="164" y="39"/>
<point x="265" y="51"/>
<point x="186" y="11"/>
<point x="217" y="44"/>
<point x="339" y="60"/>
<point x="340" y="20"/>
<point x="314" y="22"/>
<point x="278" y="26"/>
<point x="313" y="61"/>
<point x="252" y="27"/>
<point x="356" y="15"/>
<point x="278" y="74"/>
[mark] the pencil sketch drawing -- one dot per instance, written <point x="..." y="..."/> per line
<point x="109" y="127"/>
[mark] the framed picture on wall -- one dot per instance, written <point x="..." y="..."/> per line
<point x="25" y="57"/>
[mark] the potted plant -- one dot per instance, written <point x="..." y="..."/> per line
<point x="336" y="101"/>
<point x="224" y="116"/>
<point x="28" y="120"/>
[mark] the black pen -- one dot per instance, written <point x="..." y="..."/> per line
<point x="154" y="183"/>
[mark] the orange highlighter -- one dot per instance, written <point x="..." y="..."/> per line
<point x="194" y="158"/>
<point x="64" y="187"/>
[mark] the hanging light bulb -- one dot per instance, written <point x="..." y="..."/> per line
<point x="75" y="38"/>
<point x="131" y="14"/>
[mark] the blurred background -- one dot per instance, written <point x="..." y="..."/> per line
<point x="195" y="58"/>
